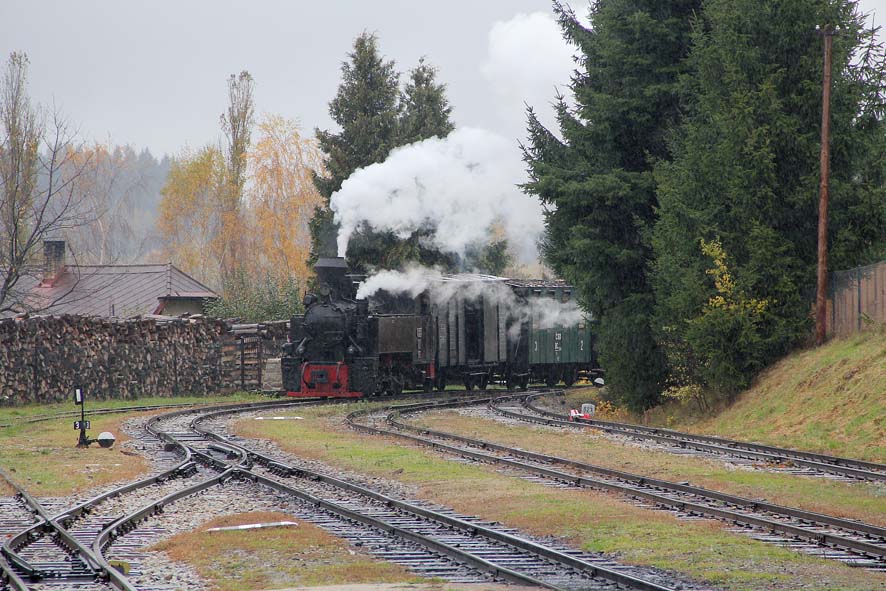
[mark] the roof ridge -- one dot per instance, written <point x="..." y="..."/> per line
<point x="197" y="281"/>
<point x="118" y="265"/>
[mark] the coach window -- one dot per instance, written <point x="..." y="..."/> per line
<point x="567" y="295"/>
<point x="552" y="293"/>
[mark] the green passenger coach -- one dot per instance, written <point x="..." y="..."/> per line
<point x="558" y="337"/>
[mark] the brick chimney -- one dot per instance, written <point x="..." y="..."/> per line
<point x="53" y="260"/>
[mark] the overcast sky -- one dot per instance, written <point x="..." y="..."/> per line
<point x="153" y="73"/>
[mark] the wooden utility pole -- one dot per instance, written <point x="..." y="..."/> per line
<point x="821" y="299"/>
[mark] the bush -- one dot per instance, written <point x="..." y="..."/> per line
<point x="257" y="299"/>
<point x="728" y="337"/>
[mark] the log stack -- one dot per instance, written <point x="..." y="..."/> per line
<point x="42" y="359"/>
<point x="245" y="351"/>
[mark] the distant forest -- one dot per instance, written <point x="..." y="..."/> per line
<point x="123" y="186"/>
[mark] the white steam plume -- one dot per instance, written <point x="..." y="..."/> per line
<point x="545" y="312"/>
<point x="527" y="63"/>
<point x="549" y="313"/>
<point x="457" y="187"/>
<point x="413" y="281"/>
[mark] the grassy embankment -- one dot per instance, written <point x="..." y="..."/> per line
<point x="594" y="521"/>
<point x="304" y="555"/>
<point x="43" y="456"/>
<point x="830" y="399"/>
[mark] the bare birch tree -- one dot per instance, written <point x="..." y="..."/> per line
<point x="38" y="197"/>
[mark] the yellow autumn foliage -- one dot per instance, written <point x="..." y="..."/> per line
<point x="281" y="196"/>
<point x="267" y="231"/>
<point x="727" y="298"/>
<point x="190" y="216"/>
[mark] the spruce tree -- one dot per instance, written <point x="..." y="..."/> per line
<point x="425" y="109"/>
<point x="365" y="108"/>
<point x="424" y="113"/>
<point x="598" y="177"/>
<point x="735" y="242"/>
<point x="376" y="117"/>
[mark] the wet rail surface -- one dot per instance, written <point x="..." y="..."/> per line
<point x="431" y="540"/>
<point x="849" y="541"/>
<point x="493" y="551"/>
<point x="46" y="550"/>
<point x="57" y="548"/>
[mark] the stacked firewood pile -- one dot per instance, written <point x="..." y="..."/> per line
<point x="250" y="352"/>
<point x="43" y="359"/>
<point x="273" y="334"/>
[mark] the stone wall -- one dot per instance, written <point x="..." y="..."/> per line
<point x="43" y="359"/>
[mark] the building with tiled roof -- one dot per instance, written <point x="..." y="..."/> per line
<point x="113" y="291"/>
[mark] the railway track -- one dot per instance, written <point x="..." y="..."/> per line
<point x="487" y="551"/>
<point x="431" y="541"/>
<point x="848" y="541"/>
<point x="811" y="463"/>
<point x="68" y="548"/>
<point x="58" y="549"/>
<point x="47" y="551"/>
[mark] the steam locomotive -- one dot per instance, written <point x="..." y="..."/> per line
<point x="480" y="330"/>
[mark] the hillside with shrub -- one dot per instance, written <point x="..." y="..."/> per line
<point x="831" y="399"/>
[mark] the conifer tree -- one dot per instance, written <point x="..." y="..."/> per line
<point x="425" y="107"/>
<point x="424" y="113"/>
<point x="598" y="178"/>
<point x="365" y="107"/>
<point x="376" y="117"/>
<point x="744" y="178"/>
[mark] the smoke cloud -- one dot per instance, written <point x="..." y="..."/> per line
<point x="527" y="62"/>
<point x="413" y="281"/>
<point x="544" y="312"/>
<point x="458" y="187"/>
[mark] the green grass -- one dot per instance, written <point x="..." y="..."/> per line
<point x="595" y="521"/>
<point x="9" y="414"/>
<point x="43" y="456"/>
<point x="864" y="501"/>
<point x="830" y="400"/>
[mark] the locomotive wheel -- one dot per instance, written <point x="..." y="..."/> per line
<point x="441" y="383"/>
<point x="429" y="385"/>
<point x="484" y="381"/>
<point x="551" y="380"/>
<point x="469" y="383"/>
<point x="510" y="382"/>
<point x="524" y="383"/>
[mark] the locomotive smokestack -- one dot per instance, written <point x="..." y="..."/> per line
<point x="332" y="271"/>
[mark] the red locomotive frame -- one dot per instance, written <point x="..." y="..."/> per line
<point x="324" y="379"/>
